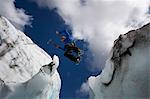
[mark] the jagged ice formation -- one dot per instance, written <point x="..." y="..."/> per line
<point x="126" y="74"/>
<point x="25" y="69"/>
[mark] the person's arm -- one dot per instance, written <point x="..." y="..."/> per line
<point x="62" y="32"/>
<point x="65" y="33"/>
<point x="63" y="49"/>
<point x="69" y="38"/>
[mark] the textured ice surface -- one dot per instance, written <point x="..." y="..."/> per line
<point x="24" y="70"/>
<point x="127" y="71"/>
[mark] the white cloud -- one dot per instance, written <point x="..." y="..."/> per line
<point x="99" y="22"/>
<point x="84" y="90"/>
<point x="15" y="15"/>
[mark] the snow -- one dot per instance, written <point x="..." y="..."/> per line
<point x="126" y="73"/>
<point x="24" y="67"/>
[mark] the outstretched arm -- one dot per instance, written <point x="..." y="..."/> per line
<point x="55" y="44"/>
<point x="63" y="49"/>
<point x="65" y="33"/>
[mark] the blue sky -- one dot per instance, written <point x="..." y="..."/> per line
<point x="44" y="25"/>
<point x="94" y="21"/>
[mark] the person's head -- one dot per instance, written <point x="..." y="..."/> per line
<point x="63" y="38"/>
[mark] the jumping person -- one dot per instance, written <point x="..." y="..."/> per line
<point x="69" y="46"/>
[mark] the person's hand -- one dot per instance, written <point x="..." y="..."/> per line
<point x="63" y="38"/>
<point x="78" y="60"/>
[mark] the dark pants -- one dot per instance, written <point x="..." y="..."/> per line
<point x="69" y="51"/>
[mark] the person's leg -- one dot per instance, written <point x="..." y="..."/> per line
<point x="74" y="49"/>
<point x="71" y="57"/>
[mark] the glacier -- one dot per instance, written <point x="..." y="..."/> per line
<point x="126" y="74"/>
<point x="26" y="71"/>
